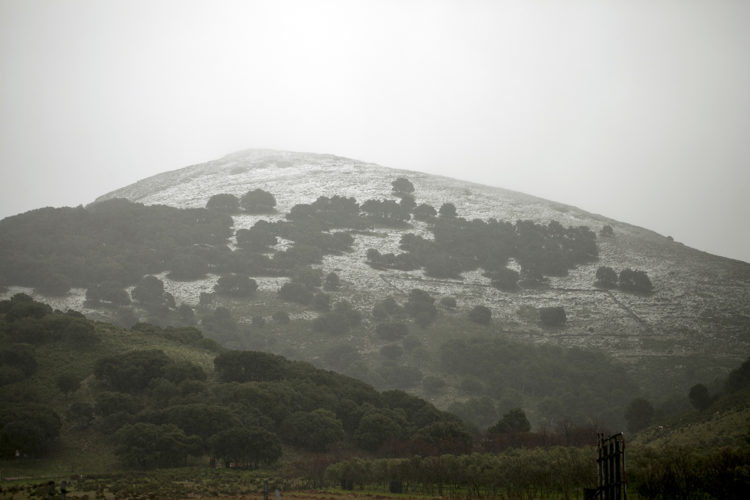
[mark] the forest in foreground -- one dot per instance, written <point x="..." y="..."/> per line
<point x="154" y="412"/>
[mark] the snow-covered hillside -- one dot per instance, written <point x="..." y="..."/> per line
<point x="700" y="301"/>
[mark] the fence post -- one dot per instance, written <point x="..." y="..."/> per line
<point x="611" y="467"/>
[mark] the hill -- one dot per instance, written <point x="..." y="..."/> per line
<point x="513" y="254"/>
<point x="80" y="396"/>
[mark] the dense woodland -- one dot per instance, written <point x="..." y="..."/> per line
<point x="159" y="410"/>
<point x="156" y="408"/>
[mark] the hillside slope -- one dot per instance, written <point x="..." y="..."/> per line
<point x="692" y="328"/>
<point x="700" y="304"/>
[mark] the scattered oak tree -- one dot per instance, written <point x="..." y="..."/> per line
<point x="258" y="201"/>
<point x="606" y="277"/>
<point x="480" y="315"/>
<point x="635" y="281"/>
<point x="639" y="414"/>
<point x="552" y="316"/>
<point x="402" y="185"/>
<point x="224" y="202"/>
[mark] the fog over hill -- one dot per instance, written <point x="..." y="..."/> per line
<point x="700" y="303"/>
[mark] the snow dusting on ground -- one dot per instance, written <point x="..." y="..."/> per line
<point x="689" y="301"/>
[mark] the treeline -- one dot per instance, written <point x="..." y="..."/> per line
<point x="552" y="472"/>
<point x="520" y="473"/>
<point x="114" y="243"/>
<point x="461" y="245"/>
<point x="54" y="249"/>
<point x="159" y="410"/>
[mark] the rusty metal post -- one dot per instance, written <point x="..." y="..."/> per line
<point x="611" y="466"/>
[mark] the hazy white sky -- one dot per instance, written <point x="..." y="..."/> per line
<point x="638" y="110"/>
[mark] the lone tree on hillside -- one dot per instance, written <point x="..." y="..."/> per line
<point x="606" y="277"/>
<point x="699" y="397"/>
<point x="638" y="414"/>
<point x="505" y="279"/>
<point x="224" y="202"/>
<point x="635" y="281"/>
<point x="332" y="282"/>
<point x="402" y="185"/>
<point x="481" y="315"/>
<point x="258" y="201"/>
<point x="552" y="316"/>
<point x="447" y="210"/>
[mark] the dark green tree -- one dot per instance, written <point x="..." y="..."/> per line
<point x="513" y="421"/>
<point x="259" y="237"/>
<point x="236" y="285"/>
<point x="149" y="292"/>
<point x="224" y="202"/>
<point x="188" y="266"/>
<point x="448" y="302"/>
<point x="421" y="307"/>
<point x="30" y="429"/>
<point x="699" y="397"/>
<point x="317" y="430"/>
<point x="504" y="279"/>
<point x="639" y="414"/>
<point x="18" y="359"/>
<point x="552" y="316"/>
<point x="252" y="446"/>
<point x="635" y="281"/>
<point x="447" y="210"/>
<point x="332" y="282"/>
<point x="375" y="428"/>
<point x="481" y="315"/>
<point x="150" y="446"/>
<point x="424" y="212"/>
<point x="249" y="366"/>
<point x="445" y="437"/>
<point x="110" y="403"/>
<point x="132" y="371"/>
<point x="402" y="185"/>
<point x="199" y="419"/>
<point x="606" y="277"/>
<point x="258" y="201"/>
<point x="739" y="378"/>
